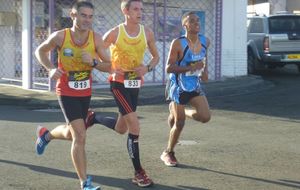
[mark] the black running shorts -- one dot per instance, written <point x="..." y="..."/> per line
<point x="185" y="97"/>
<point x="74" y="107"/>
<point x="126" y="98"/>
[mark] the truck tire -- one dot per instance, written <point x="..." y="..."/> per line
<point x="251" y="63"/>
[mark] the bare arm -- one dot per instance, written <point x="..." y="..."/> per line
<point x="110" y="38"/>
<point x="175" y="54"/>
<point x="152" y="48"/>
<point x="204" y="76"/>
<point x="42" y="52"/>
<point x="105" y="64"/>
<point x="142" y="70"/>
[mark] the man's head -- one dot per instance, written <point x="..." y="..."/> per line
<point x="132" y="9"/>
<point x="77" y="5"/>
<point x="125" y="4"/>
<point x="82" y="14"/>
<point x="190" y="21"/>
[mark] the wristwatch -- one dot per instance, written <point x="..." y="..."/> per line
<point x="95" y="63"/>
<point x="149" y="68"/>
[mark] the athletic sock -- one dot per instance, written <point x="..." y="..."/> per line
<point x="47" y="137"/>
<point x="133" y="150"/>
<point x="108" y="122"/>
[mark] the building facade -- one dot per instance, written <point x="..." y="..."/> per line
<point x="269" y="7"/>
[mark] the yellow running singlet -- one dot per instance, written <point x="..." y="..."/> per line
<point x="76" y="80"/>
<point x="128" y="52"/>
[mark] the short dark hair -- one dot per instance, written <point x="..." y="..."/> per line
<point x="81" y="3"/>
<point x="185" y="15"/>
<point x="126" y="3"/>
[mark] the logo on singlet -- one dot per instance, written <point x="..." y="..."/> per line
<point x="79" y="80"/>
<point x="132" y="42"/>
<point x="68" y="52"/>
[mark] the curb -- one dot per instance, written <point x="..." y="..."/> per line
<point x="33" y="99"/>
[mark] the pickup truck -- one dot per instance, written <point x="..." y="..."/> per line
<point x="273" y="41"/>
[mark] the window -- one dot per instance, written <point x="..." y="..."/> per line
<point x="284" y="24"/>
<point x="256" y="26"/>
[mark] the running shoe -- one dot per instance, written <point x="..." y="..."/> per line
<point x="169" y="158"/>
<point x="41" y="141"/>
<point x="87" y="185"/>
<point x="89" y="120"/>
<point x="141" y="179"/>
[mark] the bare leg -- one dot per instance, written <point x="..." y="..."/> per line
<point x="171" y="118"/>
<point x="131" y="120"/>
<point x="121" y="126"/>
<point x="78" y="131"/>
<point x="175" y="131"/>
<point x="201" y="112"/>
<point x="61" y="132"/>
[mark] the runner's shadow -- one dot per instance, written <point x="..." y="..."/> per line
<point x="286" y="183"/>
<point x="108" y="181"/>
<point x="290" y="181"/>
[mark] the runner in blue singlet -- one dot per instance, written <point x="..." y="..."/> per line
<point x="187" y="68"/>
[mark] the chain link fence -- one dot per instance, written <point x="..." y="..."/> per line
<point x="163" y="16"/>
<point x="10" y="40"/>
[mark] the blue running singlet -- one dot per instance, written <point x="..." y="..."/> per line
<point x="186" y="82"/>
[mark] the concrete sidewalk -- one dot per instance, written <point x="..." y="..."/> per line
<point x="14" y="95"/>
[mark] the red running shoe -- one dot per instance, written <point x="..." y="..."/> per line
<point x="141" y="179"/>
<point x="89" y="120"/>
<point x="169" y="158"/>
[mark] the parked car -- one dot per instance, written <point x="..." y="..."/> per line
<point x="273" y="41"/>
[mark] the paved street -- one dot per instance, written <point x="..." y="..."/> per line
<point x="251" y="143"/>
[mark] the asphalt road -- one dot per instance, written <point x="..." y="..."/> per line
<point x="251" y="143"/>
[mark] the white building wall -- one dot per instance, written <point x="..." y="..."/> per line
<point x="277" y="6"/>
<point x="274" y="6"/>
<point x="259" y="9"/>
<point x="293" y="5"/>
<point x="234" y="38"/>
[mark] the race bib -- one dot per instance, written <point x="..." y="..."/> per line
<point x="131" y="80"/>
<point x="197" y="73"/>
<point x="79" y="80"/>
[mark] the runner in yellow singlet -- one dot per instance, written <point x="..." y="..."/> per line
<point x="79" y="50"/>
<point x="128" y="42"/>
